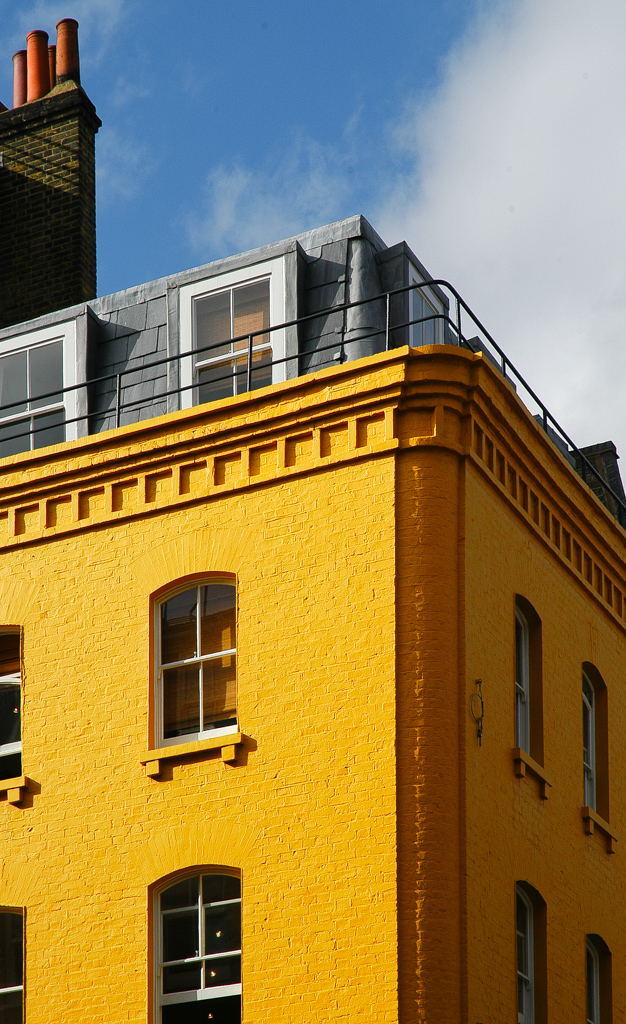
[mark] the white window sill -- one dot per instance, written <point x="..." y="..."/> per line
<point x="228" y="744"/>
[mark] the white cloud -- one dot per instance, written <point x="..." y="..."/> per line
<point x="517" y="196"/>
<point x="242" y="209"/>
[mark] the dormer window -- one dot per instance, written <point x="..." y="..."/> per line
<point x="224" y="320"/>
<point x="34" y="370"/>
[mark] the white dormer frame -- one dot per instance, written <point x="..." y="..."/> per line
<point x="272" y="271"/>
<point x="65" y="332"/>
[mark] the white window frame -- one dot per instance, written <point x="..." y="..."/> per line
<point x="589" y="764"/>
<point x="431" y="300"/>
<point x="66" y="333"/>
<point x="190" y="737"/>
<point x="272" y="271"/>
<point x="16" y="679"/>
<point x="192" y="995"/>
<point x="522" y="686"/>
<point x="528" y="980"/>
<point x="594" y="981"/>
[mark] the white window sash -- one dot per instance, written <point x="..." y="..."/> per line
<point x="272" y="270"/>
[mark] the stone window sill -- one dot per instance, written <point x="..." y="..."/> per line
<point x="525" y="764"/>
<point x="227" y="744"/>
<point x="15" y="789"/>
<point x="593" y="821"/>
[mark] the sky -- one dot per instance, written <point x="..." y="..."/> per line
<point x="487" y="133"/>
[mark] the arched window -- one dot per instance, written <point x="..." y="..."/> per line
<point x="525" y="959"/>
<point x="589" y="743"/>
<point x="11" y="971"/>
<point x="199" y="950"/>
<point x="10" y="705"/>
<point x="196" y="673"/>
<point x="530" y="916"/>
<point x="598" y="981"/>
<point x="528" y="680"/>
<point x="595" y="741"/>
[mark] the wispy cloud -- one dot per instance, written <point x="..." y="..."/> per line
<point x="99" y="20"/>
<point x="517" y="196"/>
<point x="242" y="208"/>
<point x="123" y="166"/>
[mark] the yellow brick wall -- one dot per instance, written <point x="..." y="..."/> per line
<point x="307" y="813"/>
<point x="380" y="519"/>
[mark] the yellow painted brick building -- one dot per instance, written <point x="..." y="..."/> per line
<point x="379" y="520"/>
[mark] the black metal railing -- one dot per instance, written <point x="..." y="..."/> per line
<point x="384" y="335"/>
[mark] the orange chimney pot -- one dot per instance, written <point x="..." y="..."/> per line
<point x="19" y="78"/>
<point x="52" y="64"/>
<point x="68" y="64"/>
<point x="37" y="67"/>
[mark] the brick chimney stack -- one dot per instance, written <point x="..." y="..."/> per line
<point x="47" y="181"/>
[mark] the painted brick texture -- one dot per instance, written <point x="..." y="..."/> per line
<point x="380" y="519"/>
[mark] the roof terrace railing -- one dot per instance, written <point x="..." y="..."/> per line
<point x="452" y="329"/>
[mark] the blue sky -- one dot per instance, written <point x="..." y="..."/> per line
<point x="487" y="133"/>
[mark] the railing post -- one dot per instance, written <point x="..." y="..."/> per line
<point x="249" y="376"/>
<point x="387" y="323"/>
<point x="458" y="320"/>
<point x="118" y="400"/>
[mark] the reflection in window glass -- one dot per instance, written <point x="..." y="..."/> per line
<point x="222" y="362"/>
<point x="200" y="941"/>
<point x="10" y="706"/>
<point x="198" y="672"/>
<point x="31" y="380"/>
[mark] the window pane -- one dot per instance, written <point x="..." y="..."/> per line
<point x="217" y="1011"/>
<point x="9" y="713"/>
<point x="178" y="627"/>
<point x="215" y="382"/>
<point x="180" y="935"/>
<point x="216" y="888"/>
<point x="49" y="429"/>
<point x="11" y="1007"/>
<point x="182" y="978"/>
<point x="222" y="972"/>
<point x="10" y="950"/>
<point x="10" y="766"/>
<point x="428" y="328"/>
<point x="222" y="928"/>
<point x="46" y="375"/>
<point x="219" y="694"/>
<point x="217" y="618"/>
<point x="212" y="324"/>
<point x="251" y="311"/>
<point x="13" y="382"/>
<point x="261" y="369"/>
<point x="183" y="894"/>
<point x="9" y="653"/>
<point x="14" y="438"/>
<point x="181" y="700"/>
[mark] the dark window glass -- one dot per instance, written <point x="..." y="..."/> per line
<point x="49" y="428"/>
<point x="207" y="1011"/>
<point x="13" y="388"/>
<point x="14" y="438"/>
<point x="215" y="382"/>
<point x="178" y="627"/>
<point x="181" y="700"/>
<point x="217" y="620"/>
<point x="11" y="1007"/>
<point x="182" y="978"/>
<point x="218" y="888"/>
<point x="10" y="767"/>
<point x="222" y="928"/>
<point x="11" y="945"/>
<point x="183" y="894"/>
<point x="46" y="375"/>
<point x="222" y="971"/>
<point x="180" y="935"/>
